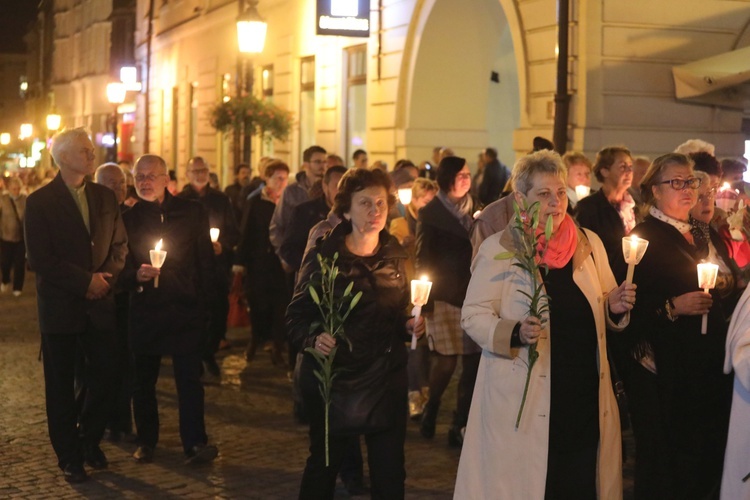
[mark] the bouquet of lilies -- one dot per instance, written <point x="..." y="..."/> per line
<point x="529" y="258"/>
<point x="334" y="309"/>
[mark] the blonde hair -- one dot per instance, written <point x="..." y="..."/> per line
<point x="423" y="186"/>
<point x="653" y="175"/>
<point x="695" y="146"/>
<point x="575" y="158"/>
<point x="540" y="162"/>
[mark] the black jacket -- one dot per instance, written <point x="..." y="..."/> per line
<point x="596" y="213"/>
<point x="220" y="215"/>
<point x="694" y="392"/>
<point x="64" y="255"/>
<point x="304" y="217"/>
<point x="173" y="317"/>
<point x="443" y="253"/>
<point x="265" y="279"/>
<point x="377" y="325"/>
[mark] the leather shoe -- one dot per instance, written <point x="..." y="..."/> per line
<point x="202" y="454"/>
<point x="94" y="457"/>
<point x="75" y="473"/>
<point x="144" y="454"/>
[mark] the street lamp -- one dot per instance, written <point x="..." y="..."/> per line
<point x="116" y="96"/>
<point x="26" y="131"/>
<point x="53" y="122"/>
<point x="4" y="138"/>
<point x="251" y="38"/>
<point x="251" y="29"/>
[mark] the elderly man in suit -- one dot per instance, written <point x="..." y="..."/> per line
<point x="76" y="244"/>
<point x="171" y="317"/>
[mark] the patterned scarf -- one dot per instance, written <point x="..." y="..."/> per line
<point x="461" y="210"/>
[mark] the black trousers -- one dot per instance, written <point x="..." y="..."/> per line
<point x="121" y="416"/>
<point x="441" y="371"/>
<point x="217" y="325"/>
<point x="571" y="474"/>
<point x="59" y="354"/>
<point x="13" y="258"/>
<point x="187" y="376"/>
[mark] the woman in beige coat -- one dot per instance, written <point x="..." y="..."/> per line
<point x="567" y="444"/>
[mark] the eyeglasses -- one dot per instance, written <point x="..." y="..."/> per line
<point x="709" y="196"/>
<point x="150" y="177"/>
<point x="680" y="184"/>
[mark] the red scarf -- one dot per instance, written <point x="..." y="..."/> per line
<point x="561" y="246"/>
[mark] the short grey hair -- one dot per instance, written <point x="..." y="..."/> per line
<point x="108" y="167"/>
<point x="151" y="159"/>
<point x="540" y="162"/>
<point x="63" y="140"/>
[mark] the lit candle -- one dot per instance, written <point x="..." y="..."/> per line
<point x="726" y="197"/>
<point x="157" y="259"/>
<point x="215" y="234"/>
<point x="404" y="196"/>
<point x="420" y="292"/>
<point x="707" y="273"/>
<point x="633" y="249"/>
<point x="582" y="191"/>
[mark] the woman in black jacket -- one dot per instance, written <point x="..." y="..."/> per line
<point x="374" y="369"/>
<point x="681" y="395"/>
<point x="444" y="255"/>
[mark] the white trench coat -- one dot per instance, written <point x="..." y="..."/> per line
<point x="737" y="456"/>
<point x="498" y="460"/>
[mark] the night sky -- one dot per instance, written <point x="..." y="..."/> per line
<point x="15" y="17"/>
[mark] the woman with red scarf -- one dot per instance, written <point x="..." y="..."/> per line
<point x="567" y="441"/>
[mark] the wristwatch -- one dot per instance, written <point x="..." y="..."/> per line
<point x="669" y="310"/>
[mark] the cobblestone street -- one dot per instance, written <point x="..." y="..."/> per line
<point x="249" y="417"/>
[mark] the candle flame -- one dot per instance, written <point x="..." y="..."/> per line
<point x="633" y="238"/>
<point x="158" y="245"/>
<point x="725" y="187"/>
<point x="424" y="278"/>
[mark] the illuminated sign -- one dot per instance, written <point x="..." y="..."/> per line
<point x="343" y="18"/>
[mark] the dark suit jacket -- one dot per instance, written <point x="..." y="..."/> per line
<point x="65" y="256"/>
<point x="173" y="318"/>
<point x="443" y="252"/>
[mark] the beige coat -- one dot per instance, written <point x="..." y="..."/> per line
<point x="11" y="228"/>
<point x="498" y="460"/>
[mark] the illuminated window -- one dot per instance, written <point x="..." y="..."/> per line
<point x="306" y="103"/>
<point x="267" y="81"/>
<point x="356" y="99"/>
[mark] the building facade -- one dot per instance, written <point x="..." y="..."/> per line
<point x="466" y="74"/>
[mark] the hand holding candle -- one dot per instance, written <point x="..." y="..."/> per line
<point x="157" y="256"/>
<point x="707" y="274"/>
<point x="633" y="249"/>
<point x="420" y="293"/>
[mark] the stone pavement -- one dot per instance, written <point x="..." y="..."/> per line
<point x="249" y="417"/>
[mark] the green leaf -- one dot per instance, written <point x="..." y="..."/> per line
<point x="505" y="256"/>
<point x="314" y="295"/>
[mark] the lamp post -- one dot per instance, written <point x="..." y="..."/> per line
<point x="251" y="38"/>
<point x="25" y="133"/>
<point x="115" y="96"/>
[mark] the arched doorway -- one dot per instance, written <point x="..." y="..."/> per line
<point x="460" y="85"/>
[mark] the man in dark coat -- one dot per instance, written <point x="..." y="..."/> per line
<point x="306" y="215"/>
<point x="76" y="244"/>
<point x="234" y="190"/>
<point x="220" y="216"/>
<point x="169" y="317"/>
<point x="496" y="176"/>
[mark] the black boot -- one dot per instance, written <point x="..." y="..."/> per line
<point x="429" y="416"/>
<point x="456" y="432"/>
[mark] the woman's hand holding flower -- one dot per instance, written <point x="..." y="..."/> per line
<point x="417" y="329"/>
<point x="692" y="304"/>
<point x="622" y="298"/>
<point x="324" y="343"/>
<point x="531" y="329"/>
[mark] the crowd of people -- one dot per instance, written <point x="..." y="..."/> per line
<point x="528" y="292"/>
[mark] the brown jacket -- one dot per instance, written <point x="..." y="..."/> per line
<point x="11" y="221"/>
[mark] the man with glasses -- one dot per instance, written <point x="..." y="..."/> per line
<point x="220" y="216"/>
<point x="168" y="317"/>
<point x="76" y="244"/>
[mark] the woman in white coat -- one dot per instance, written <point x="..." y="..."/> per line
<point x="735" y="481"/>
<point x="567" y="444"/>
